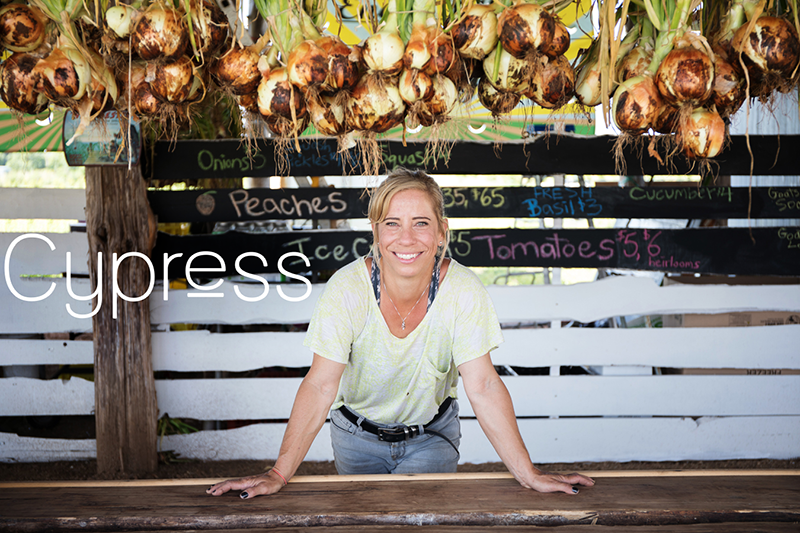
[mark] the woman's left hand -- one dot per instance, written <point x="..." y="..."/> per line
<point x="550" y="482"/>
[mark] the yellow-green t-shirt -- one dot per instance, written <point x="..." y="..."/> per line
<point x="392" y="380"/>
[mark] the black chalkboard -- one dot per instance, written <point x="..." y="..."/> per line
<point x="564" y="154"/>
<point x="761" y="251"/>
<point x="235" y="205"/>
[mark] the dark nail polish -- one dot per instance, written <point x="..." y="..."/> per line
<point x="574" y="490"/>
<point x="243" y="495"/>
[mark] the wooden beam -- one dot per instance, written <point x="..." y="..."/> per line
<point x="119" y="221"/>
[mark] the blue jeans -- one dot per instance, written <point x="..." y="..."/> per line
<point x="357" y="452"/>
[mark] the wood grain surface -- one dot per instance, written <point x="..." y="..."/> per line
<point x="770" y="501"/>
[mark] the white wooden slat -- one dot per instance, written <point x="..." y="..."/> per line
<point x="48" y="315"/>
<point x="45" y="352"/>
<point x="675" y="395"/>
<point x="16" y="449"/>
<point x="729" y="347"/>
<point x="185" y="351"/>
<point x="551" y="440"/>
<point x="65" y="204"/>
<point x="562" y="440"/>
<point x="628" y="295"/>
<point x="36" y="397"/>
<point x="585" y="302"/>
<point x="33" y="256"/>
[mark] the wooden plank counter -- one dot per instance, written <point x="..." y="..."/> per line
<point x="699" y="501"/>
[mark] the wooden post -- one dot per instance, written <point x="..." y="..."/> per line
<point x="119" y="220"/>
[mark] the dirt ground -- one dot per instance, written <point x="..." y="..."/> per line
<point x="87" y="470"/>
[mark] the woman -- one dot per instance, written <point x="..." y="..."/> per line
<point x="390" y="335"/>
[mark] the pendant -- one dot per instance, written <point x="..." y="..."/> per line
<point x="403" y="325"/>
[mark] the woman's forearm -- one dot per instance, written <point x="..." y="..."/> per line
<point x="495" y="412"/>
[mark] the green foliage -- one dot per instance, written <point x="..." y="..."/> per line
<point x="40" y="171"/>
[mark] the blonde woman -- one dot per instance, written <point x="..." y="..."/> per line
<point x="391" y="334"/>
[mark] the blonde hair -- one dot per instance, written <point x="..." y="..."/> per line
<point x="403" y="179"/>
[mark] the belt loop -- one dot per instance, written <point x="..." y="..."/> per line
<point x="421" y="429"/>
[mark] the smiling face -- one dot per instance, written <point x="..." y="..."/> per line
<point x="409" y="235"/>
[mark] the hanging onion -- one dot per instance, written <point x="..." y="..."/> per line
<point x="552" y="82"/>
<point x="307" y="65"/>
<point x="342" y="70"/>
<point x="279" y="96"/>
<point x="499" y="102"/>
<point x="22" y="27"/>
<point x="636" y="104"/>
<point x="414" y="86"/>
<point x="703" y="134"/>
<point x="59" y="74"/>
<point x="666" y="121"/>
<point x="686" y="74"/>
<point x="417" y="54"/>
<point x="120" y="20"/>
<point x="729" y="90"/>
<point x="507" y="74"/>
<point x="18" y="82"/>
<point x="443" y="52"/>
<point x="771" y="50"/>
<point x="171" y="82"/>
<point x="559" y="44"/>
<point x="475" y="36"/>
<point x="438" y="107"/>
<point x="375" y="106"/>
<point x="237" y="70"/>
<point x="383" y="52"/>
<point x="160" y="34"/>
<point x="210" y="27"/>
<point x="328" y="113"/>
<point x="522" y="29"/>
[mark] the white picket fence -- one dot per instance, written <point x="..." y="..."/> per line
<point x="603" y="417"/>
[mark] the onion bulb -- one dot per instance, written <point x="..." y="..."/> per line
<point x="160" y="34"/>
<point x="552" y="83"/>
<point x="120" y="20"/>
<point x="417" y="53"/>
<point x="499" y="102"/>
<point x="588" y="89"/>
<point x="415" y="86"/>
<point x="729" y="90"/>
<point x="237" y="70"/>
<point x="328" y="113"/>
<point x="636" y="104"/>
<point x="375" y="106"/>
<point x="60" y="76"/>
<point x="171" y="82"/>
<point x="635" y="61"/>
<point x="18" y="81"/>
<point x="686" y="74"/>
<point x="248" y="101"/>
<point x="443" y="52"/>
<point x="307" y="65"/>
<point x="342" y="70"/>
<point x="560" y="42"/>
<point x="523" y="28"/>
<point x="771" y="50"/>
<point x="475" y="36"/>
<point x="22" y="27"/>
<point x="210" y="27"/>
<point x="666" y="119"/>
<point x="702" y="134"/>
<point x="279" y="96"/>
<point x="441" y="103"/>
<point x="383" y="52"/>
<point x="511" y="74"/>
<point x="287" y="128"/>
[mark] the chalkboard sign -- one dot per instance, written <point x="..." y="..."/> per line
<point x="235" y="205"/>
<point x="563" y="154"/>
<point x="762" y="251"/>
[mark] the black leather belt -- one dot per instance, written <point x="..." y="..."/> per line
<point x="393" y="434"/>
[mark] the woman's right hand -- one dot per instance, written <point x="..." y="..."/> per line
<point x="251" y="486"/>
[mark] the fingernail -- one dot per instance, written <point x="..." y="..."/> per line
<point x="574" y="490"/>
<point x="243" y="495"/>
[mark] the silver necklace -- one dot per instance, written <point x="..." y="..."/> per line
<point x="403" y="320"/>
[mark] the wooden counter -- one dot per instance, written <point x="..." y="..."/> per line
<point x="701" y="502"/>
